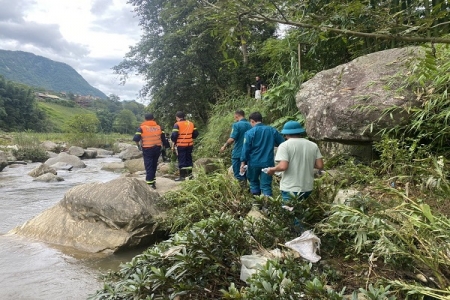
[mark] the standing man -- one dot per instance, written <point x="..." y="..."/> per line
<point x="257" y="153"/>
<point x="258" y="84"/>
<point x="238" y="130"/>
<point x="183" y="135"/>
<point x="297" y="158"/>
<point x="149" y="138"/>
<point x="165" y="146"/>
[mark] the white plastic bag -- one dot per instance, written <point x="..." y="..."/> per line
<point x="251" y="264"/>
<point x="307" y="245"/>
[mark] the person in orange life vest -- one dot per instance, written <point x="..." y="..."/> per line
<point x="183" y="135"/>
<point x="149" y="137"/>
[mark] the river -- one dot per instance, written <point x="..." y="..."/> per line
<point x="31" y="270"/>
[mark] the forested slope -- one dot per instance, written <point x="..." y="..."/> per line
<point x="38" y="71"/>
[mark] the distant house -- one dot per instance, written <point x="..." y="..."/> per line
<point x="83" y="101"/>
<point x="46" y="96"/>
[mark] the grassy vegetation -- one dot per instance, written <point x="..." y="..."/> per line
<point x="30" y="149"/>
<point x="59" y="114"/>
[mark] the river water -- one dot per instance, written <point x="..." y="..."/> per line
<point x="31" y="270"/>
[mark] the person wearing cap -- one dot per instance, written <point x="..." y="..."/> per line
<point x="297" y="157"/>
<point x="149" y="138"/>
<point x="238" y="130"/>
<point x="257" y="154"/>
<point x="183" y="135"/>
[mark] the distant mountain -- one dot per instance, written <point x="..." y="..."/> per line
<point x="41" y="72"/>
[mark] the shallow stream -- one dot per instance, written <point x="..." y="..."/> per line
<point x="31" y="270"/>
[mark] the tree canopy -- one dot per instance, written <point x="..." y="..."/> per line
<point x="192" y="53"/>
<point x="18" y="110"/>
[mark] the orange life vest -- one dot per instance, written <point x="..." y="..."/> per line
<point x="151" y="134"/>
<point x="185" y="130"/>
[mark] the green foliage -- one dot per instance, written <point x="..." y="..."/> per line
<point x="194" y="263"/>
<point x="31" y="154"/>
<point x="429" y="121"/>
<point x="81" y="130"/>
<point x="285" y="280"/>
<point x="375" y="293"/>
<point x="200" y="198"/>
<point x="125" y="122"/>
<point x="106" y="121"/>
<point x="219" y="124"/>
<point x="404" y="235"/>
<point x="18" y="109"/>
<point x="38" y="71"/>
<point x="29" y="148"/>
<point x="407" y="161"/>
<point x="280" y="99"/>
<point x="58" y="114"/>
<point x="82" y="124"/>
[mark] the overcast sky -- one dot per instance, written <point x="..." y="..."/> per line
<point x="91" y="36"/>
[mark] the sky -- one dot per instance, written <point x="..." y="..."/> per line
<point x="91" y="36"/>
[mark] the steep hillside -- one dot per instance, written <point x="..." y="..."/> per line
<point x="38" y="71"/>
<point x="59" y="114"/>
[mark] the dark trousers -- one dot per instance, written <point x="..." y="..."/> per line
<point x="236" y="163"/>
<point x="259" y="181"/>
<point x="185" y="157"/>
<point x="163" y="154"/>
<point x="151" y="156"/>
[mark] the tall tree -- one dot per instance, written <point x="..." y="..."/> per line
<point x="18" y="108"/>
<point x="125" y="122"/>
<point x="182" y="59"/>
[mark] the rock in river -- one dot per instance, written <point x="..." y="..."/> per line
<point x="99" y="217"/>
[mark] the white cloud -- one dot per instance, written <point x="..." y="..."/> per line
<point x="91" y="36"/>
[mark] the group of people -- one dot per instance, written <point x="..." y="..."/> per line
<point x="253" y="157"/>
<point x="152" y="140"/>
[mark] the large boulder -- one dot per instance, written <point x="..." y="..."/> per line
<point x="99" y="217"/>
<point x="3" y="160"/>
<point x="102" y="152"/>
<point x="122" y="146"/>
<point x="77" y="151"/>
<point x="135" y="165"/>
<point x="73" y="160"/>
<point x="51" y="154"/>
<point x="131" y="152"/>
<point x="209" y="165"/>
<point x="62" y="166"/>
<point x="48" y="177"/>
<point x="113" y="166"/>
<point x="89" y="154"/>
<point x="49" y="146"/>
<point x="41" y="170"/>
<point x="344" y="104"/>
<point x="163" y="168"/>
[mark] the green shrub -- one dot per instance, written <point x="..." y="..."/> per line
<point x="201" y="197"/>
<point x="407" y="235"/>
<point x="194" y="263"/>
<point x="29" y="148"/>
<point x="31" y="154"/>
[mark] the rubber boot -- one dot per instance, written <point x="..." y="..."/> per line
<point x="182" y="175"/>
<point x="188" y="174"/>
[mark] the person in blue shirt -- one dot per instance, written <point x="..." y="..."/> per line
<point x="258" y="153"/>
<point x="238" y="130"/>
